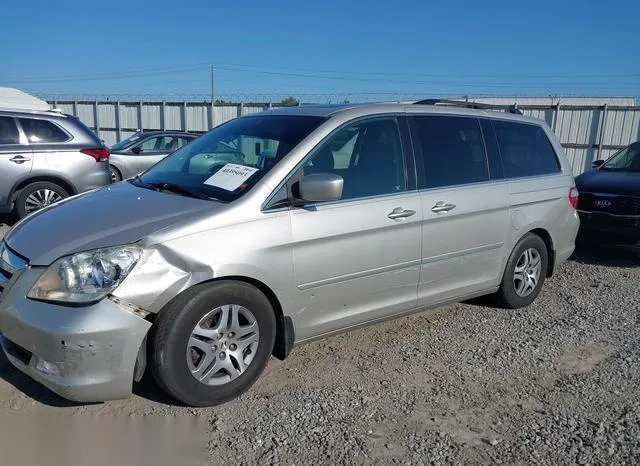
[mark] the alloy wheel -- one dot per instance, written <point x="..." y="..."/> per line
<point x="222" y="344"/>
<point x="527" y="271"/>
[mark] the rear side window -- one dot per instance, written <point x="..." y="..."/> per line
<point x="42" y="131"/>
<point x="8" y="131"/>
<point x="451" y="150"/>
<point x="525" y="149"/>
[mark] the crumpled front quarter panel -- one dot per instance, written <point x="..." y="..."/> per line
<point x="259" y="250"/>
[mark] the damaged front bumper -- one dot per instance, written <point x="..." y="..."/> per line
<point x="84" y="354"/>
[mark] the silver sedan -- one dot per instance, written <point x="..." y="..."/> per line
<point x="142" y="150"/>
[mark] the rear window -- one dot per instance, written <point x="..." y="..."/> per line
<point x="42" y="131"/>
<point x="8" y="131"/>
<point x="525" y="149"/>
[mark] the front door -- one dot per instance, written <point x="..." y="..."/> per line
<point x="465" y="204"/>
<point x="357" y="260"/>
<point x="16" y="159"/>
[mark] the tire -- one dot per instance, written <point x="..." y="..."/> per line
<point x="37" y="195"/>
<point x="173" y="357"/>
<point x="515" y="293"/>
<point x="115" y="174"/>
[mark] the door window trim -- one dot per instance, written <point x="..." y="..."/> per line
<point x="407" y="156"/>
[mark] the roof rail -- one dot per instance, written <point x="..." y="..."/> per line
<point x="459" y="103"/>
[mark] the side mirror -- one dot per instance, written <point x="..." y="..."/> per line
<point x="136" y="150"/>
<point x="319" y="187"/>
<point x="597" y="163"/>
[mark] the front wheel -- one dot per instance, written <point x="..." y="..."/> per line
<point x="211" y="343"/>
<point x="524" y="274"/>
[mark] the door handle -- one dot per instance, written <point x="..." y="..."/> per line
<point x="399" y="212"/>
<point x="441" y="207"/>
<point x="19" y="159"/>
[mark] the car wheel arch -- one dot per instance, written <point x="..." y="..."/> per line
<point x="543" y="233"/>
<point x="23" y="183"/>
<point x="285" y="332"/>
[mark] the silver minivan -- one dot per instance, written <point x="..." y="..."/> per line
<point x="199" y="270"/>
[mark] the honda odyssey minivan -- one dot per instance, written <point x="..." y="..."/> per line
<point x="199" y="270"/>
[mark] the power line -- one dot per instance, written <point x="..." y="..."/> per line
<point x="300" y="73"/>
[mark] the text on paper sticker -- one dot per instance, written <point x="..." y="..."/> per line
<point x="230" y="177"/>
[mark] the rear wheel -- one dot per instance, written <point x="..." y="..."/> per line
<point x="525" y="273"/>
<point x="115" y="174"/>
<point x="38" y="195"/>
<point x="212" y="342"/>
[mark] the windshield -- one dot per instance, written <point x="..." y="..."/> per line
<point x="226" y="162"/>
<point x="627" y="160"/>
<point x="126" y="142"/>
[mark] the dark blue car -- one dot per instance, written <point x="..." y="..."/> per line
<point x="609" y="205"/>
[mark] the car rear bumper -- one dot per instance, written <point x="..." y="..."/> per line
<point x="84" y="354"/>
<point x="609" y="230"/>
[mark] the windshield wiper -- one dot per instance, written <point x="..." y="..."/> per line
<point x="174" y="188"/>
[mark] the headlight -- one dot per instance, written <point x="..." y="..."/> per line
<point x="86" y="276"/>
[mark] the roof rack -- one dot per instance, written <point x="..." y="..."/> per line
<point x="459" y="103"/>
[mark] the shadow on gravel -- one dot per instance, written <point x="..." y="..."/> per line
<point x="148" y="389"/>
<point x="609" y="257"/>
<point x="30" y="387"/>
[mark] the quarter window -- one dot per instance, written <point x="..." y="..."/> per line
<point x="452" y="150"/>
<point x="525" y="149"/>
<point x="8" y="131"/>
<point x="367" y="155"/>
<point x="42" y="131"/>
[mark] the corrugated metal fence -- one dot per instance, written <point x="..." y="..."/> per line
<point x="588" y="133"/>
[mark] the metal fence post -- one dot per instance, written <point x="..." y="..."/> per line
<point x="96" y="119"/>
<point x="184" y="116"/>
<point x="603" y="116"/>
<point x="212" y="115"/>
<point x="239" y="110"/>
<point x="556" y="114"/>
<point x="118" y="129"/>
<point x="140" y="127"/>
<point x="75" y="108"/>
<point x="163" y="116"/>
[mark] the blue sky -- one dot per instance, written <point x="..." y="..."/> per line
<point x="322" y="47"/>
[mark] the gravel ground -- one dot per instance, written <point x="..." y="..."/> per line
<point x="556" y="383"/>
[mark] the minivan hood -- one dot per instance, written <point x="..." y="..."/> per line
<point x="117" y="214"/>
<point x="611" y="182"/>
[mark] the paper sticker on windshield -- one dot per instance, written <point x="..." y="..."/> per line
<point x="230" y="177"/>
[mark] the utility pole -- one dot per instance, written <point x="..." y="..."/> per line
<point x="213" y="84"/>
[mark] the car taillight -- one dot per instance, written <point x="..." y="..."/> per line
<point x="573" y="197"/>
<point x="100" y="155"/>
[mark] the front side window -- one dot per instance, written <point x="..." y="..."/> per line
<point x="182" y="141"/>
<point x="8" y="131"/>
<point x="125" y="143"/>
<point x="154" y="144"/>
<point x="525" y="149"/>
<point x="452" y="150"/>
<point x="627" y="160"/>
<point x="229" y="160"/>
<point x="367" y="155"/>
<point x="42" y="131"/>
